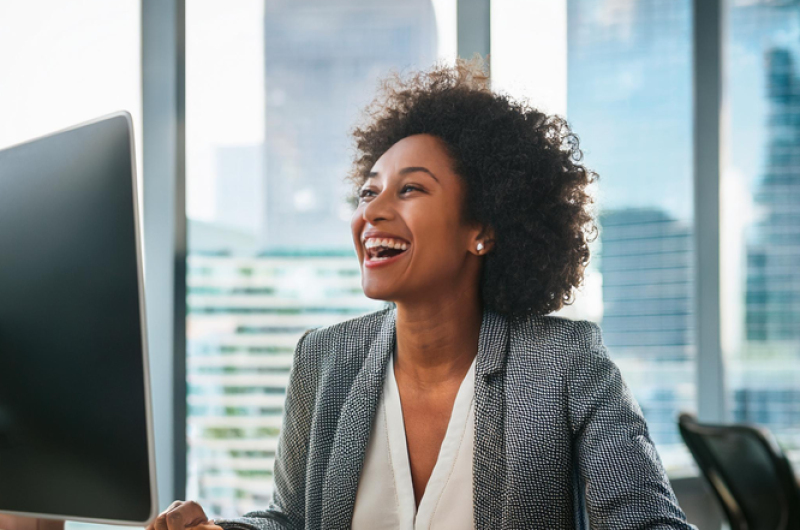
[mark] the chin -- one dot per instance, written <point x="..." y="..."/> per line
<point x="378" y="294"/>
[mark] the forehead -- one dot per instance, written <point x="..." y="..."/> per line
<point x="417" y="150"/>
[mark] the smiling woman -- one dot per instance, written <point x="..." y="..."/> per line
<point x="407" y="227"/>
<point x="465" y="405"/>
<point x="504" y="165"/>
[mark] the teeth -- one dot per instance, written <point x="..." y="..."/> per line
<point x="386" y="243"/>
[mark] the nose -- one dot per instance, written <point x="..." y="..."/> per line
<point x="379" y="208"/>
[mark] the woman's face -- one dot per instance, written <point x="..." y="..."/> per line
<point x="407" y="230"/>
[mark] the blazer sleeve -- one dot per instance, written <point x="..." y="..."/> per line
<point x="286" y="511"/>
<point x="625" y="483"/>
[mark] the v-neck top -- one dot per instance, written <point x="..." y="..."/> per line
<point x="385" y="496"/>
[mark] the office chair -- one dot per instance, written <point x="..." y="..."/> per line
<point x="747" y="470"/>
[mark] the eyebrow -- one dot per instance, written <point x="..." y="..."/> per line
<point x="406" y="170"/>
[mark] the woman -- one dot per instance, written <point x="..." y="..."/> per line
<point x="463" y="406"/>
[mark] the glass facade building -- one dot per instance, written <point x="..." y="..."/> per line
<point x="764" y="78"/>
<point x="245" y="318"/>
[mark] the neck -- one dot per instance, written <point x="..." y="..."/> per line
<point x="437" y="341"/>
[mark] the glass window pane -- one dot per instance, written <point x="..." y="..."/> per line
<point x="630" y="101"/>
<point x="530" y="64"/>
<point x="272" y="89"/>
<point x="761" y="209"/>
<point x="529" y="51"/>
<point x="63" y="63"/>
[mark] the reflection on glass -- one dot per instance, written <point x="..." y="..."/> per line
<point x="629" y="99"/>
<point x="272" y="89"/>
<point x="762" y="229"/>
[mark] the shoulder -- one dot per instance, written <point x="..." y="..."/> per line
<point x="570" y="355"/>
<point x="345" y="343"/>
<point x="553" y="347"/>
<point x="557" y="334"/>
<point x="353" y="330"/>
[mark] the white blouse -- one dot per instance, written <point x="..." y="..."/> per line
<point x="385" y="496"/>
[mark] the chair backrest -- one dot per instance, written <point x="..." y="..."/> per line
<point x="750" y="475"/>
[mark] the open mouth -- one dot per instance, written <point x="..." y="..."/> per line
<point x="383" y="249"/>
<point x="383" y="254"/>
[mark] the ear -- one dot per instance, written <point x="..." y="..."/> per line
<point x="483" y="235"/>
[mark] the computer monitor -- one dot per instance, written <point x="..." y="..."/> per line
<point x="76" y="435"/>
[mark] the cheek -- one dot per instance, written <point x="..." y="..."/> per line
<point x="357" y="227"/>
<point x="356" y="224"/>
<point x="437" y="241"/>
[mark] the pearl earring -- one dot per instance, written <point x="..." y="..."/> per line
<point x="480" y="247"/>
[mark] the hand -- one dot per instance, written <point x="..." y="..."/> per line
<point x="14" y="522"/>
<point x="180" y="515"/>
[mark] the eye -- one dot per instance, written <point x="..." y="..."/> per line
<point x="366" y="191"/>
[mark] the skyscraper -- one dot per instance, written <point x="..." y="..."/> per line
<point x="768" y="390"/>
<point x="648" y="282"/>
<point x="773" y="282"/>
<point x="323" y="62"/>
<point x="764" y="94"/>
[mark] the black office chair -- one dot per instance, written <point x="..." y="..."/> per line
<point x="747" y="470"/>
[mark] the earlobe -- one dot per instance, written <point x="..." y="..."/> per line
<point x="484" y="238"/>
<point x="483" y="247"/>
<point x="486" y="241"/>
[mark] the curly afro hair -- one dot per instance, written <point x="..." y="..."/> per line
<point x="522" y="174"/>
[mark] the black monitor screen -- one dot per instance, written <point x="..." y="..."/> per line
<point x="73" y="421"/>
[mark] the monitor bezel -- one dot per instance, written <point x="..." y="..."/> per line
<point x="143" y="330"/>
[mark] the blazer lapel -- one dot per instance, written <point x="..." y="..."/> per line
<point x="352" y="435"/>
<point x="355" y="425"/>
<point x="489" y="460"/>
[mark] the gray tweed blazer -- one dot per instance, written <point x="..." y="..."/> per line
<point x="558" y="435"/>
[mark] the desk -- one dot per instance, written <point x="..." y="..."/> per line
<point x="9" y="522"/>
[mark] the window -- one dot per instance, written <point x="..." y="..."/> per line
<point x="62" y="66"/>
<point x="630" y="102"/>
<point x="761" y="213"/>
<point x="271" y="91"/>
